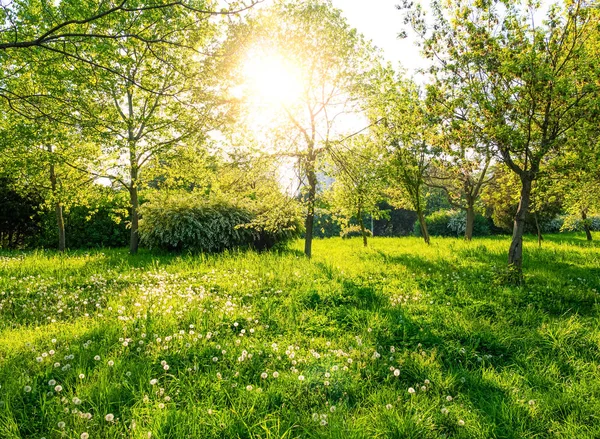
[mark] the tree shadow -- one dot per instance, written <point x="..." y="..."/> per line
<point x="486" y="343"/>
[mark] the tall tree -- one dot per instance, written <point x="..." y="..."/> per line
<point x="330" y="59"/>
<point x="154" y="103"/>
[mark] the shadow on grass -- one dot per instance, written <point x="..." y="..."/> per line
<point x="485" y="337"/>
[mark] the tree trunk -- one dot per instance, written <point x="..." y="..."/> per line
<point x="310" y="214"/>
<point x="423" y="226"/>
<point x="470" y="222"/>
<point x="58" y="209"/>
<point x="60" y="222"/>
<point x="539" y="231"/>
<point x="515" y="253"/>
<point x="363" y="231"/>
<point x="134" y="240"/>
<point x="586" y="226"/>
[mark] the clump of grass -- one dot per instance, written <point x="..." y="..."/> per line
<point x="396" y="340"/>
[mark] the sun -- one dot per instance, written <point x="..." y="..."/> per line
<point x="270" y="80"/>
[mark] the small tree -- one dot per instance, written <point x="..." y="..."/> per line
<point x="41" y="157"/>
<point x="462" y="175"/>
<point x="358" y="188"/>
<point x="406" y="131"/>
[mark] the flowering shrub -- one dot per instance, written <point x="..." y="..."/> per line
<point x="188" y="223"/>
<point x="353" y="231"/>
<point x="453" y="223"/>
<point x="572" y="223"/>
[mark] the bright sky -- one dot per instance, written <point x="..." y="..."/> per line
<point x="381" y="22"/>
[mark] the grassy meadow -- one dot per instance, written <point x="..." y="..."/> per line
<point x="399" y="340"/>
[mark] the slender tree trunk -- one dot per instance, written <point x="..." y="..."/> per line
<point x="134" y="240"/>
<point x="470" y="222"/>
<point x="363" y="231"/>
<point x="586" y="226"/>
<point x="515" y="253"/>
<point x="58" y="208"/>
<point x="60" y="222"/>
<point x="539" y="231"/>
<point x="310" y="214"/>
<point x="423" y="226"/>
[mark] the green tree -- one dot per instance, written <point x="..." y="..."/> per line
<point x="67" y="34"/>
<point x="358" y="188"/>
<point x="155" y="103"/>
<point x="331" y="59"/>
<point x="407" y="132"/>
<point x="43" y="158"/>
<point x="462" y="175"/>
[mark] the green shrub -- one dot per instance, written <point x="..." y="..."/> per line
<point x="325" y="226"/>
<point x="453" y="223"/>
<point x="190" y="223"/>
<point x="86" y="227"/>
<point x="571" y="223"/>
<point x="353" y="231"/>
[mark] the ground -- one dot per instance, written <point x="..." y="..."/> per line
<point x="399" y="340"/>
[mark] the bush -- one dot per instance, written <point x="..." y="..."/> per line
<point x="453" y="223"/>
<point x="571" y="223"/>
<point x="398" y="222"/>
<point x="325" y="226"/>
<point x="85" y="228"/>
<point x="101" y="224"/>
<point x="353" y="231"/>
<point x="18" y="215"/>
<point x="553" y="226"/>
<point x="190" y="223"/>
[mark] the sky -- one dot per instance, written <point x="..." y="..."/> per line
<point x="381" y="22"/>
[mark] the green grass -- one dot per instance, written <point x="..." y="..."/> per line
<point x="486" y="360"/>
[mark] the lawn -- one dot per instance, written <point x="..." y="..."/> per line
<point x="399" y="340"/>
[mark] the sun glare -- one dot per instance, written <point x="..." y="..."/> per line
<point x="271" y="81"/>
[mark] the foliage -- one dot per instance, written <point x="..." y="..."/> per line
<point x="325" y="225"/>
<point x="524" y="86"/>
<point x="101" y="223"/>
<point x="571" y="223"/>
<point x="189" y="222"/>
<point x="359" y="186"/>
<point x="405" y="131"/>
<point x="18" y="215"/>
<point x="332" y="60"/>
<point x="352" y="231"/>
<point x="397" y="222"/>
